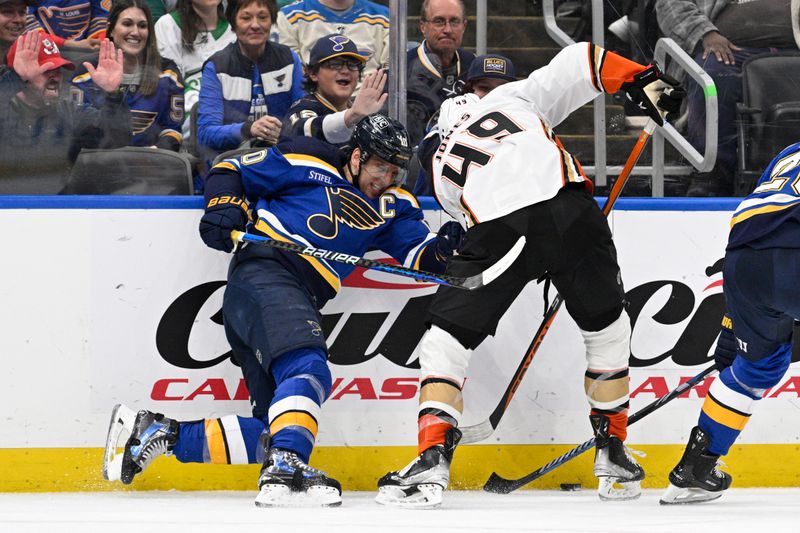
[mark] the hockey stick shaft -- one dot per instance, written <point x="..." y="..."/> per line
<point x="470" y="283"/>
<point x="482" y="430"/>
<point x="500" y="485"/>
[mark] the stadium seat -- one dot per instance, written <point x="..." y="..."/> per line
<point x="769" y="115"/>
<point x="130" y="170"/>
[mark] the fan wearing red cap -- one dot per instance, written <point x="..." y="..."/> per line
<point x="37" y="61"/>
<point x="43" y="131"/>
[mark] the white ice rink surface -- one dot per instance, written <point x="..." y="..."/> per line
<point x="156" y="512"/>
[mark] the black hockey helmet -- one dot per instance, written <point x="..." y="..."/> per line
<point x="384" y="137"/>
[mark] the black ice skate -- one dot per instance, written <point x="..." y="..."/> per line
<point x="151" y="435"/>
<point x="619" y="474"/>
<point x="696" y="478"/>
<point x="421" y="483"/>
<point x="288" y="481"/>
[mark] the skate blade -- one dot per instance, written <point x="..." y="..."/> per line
<point x="274" y="495"/>
<point x="678" y="496"/>
<point x="424" y="496"/>
<point x="614" y="489"/>
<point x="122" y="419"/>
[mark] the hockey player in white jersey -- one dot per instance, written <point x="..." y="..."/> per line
<point x="502" y="170"/>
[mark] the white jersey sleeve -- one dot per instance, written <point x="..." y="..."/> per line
<point x="503" y="154"/>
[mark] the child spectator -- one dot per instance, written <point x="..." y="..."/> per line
<point x="331" y="77"/>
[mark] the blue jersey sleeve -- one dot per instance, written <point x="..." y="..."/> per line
<point x="407" y="236"/>
<point x="211" y="129"/>
<point x="97" y="27"/>
<point x="262" y="172"/>
<point x="170" y="117"/>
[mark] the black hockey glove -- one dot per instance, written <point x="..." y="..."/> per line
<point x="634" y="90"/>
<point x="223" y="214"/>
<point x="725" y="352"/>
<point x="448" y="240"/>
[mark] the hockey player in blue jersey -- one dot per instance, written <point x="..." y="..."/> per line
<point x="762" y="294"/>
<point x="304" y="191"/>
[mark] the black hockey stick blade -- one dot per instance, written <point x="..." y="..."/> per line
<point x="500" y="485"/>
<point x="470" y="282"/>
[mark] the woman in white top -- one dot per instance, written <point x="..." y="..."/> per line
<point x="188" y="36"/>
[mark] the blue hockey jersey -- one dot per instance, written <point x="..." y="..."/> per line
<point x="770" y="216"/>
<point x="301" y="195"/>
<point x="306" y="117"/>
<point x="70" y="19"/>
<point x="156" y="118"/>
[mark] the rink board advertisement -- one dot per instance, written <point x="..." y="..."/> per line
<point x="109" y="305"/>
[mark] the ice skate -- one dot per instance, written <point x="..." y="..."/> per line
<point x="619" y="474"/>
<point x="151" y="435"/>
<point x="421" y="483"/>
<point x="696" y="478"/>
<point x="287" y="481"/>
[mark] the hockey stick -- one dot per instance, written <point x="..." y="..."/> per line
<point x="482" y="430"/>
<point x="469" y="282"/>
<point x="501" y="485"/>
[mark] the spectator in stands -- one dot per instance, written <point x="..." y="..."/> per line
<point x="150" y="85"/>
<point x="301" y="24"/>
<point x="74" y="23"/>
<point x="486" y="73"/>
<point x="248" y="86"/>
<point x="42" y="133"/>
<point x="12" y="23"/>
<point x="437" y="67"/>
<point x="720" y="35"/>
<point x="189" y="36"/>
<point x="331" y="77"/>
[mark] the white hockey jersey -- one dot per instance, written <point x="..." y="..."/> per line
<point x="503" y="155"/>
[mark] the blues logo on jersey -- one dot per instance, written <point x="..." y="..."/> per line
<point x="346" y="207"/>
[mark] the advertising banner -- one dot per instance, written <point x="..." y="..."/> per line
<point x="109" y="306"/>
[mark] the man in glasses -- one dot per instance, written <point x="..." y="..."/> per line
<point x="303" y="191"/>
<point x="437" y="68"/>
<point x="334" y="70"/>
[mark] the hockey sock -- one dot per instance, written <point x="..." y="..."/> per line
<point x="731" y="397"/>
<point x="227" y="440"/>
<point x="303" y="383"/>
<point x="607" y="392"/>
<point x="439" y="409"/>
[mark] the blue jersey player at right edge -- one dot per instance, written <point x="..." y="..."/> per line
<point x="304" y="191"/>
<point x="762" y="293"/>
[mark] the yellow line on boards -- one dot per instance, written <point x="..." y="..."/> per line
<point x="358" y="468"/>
